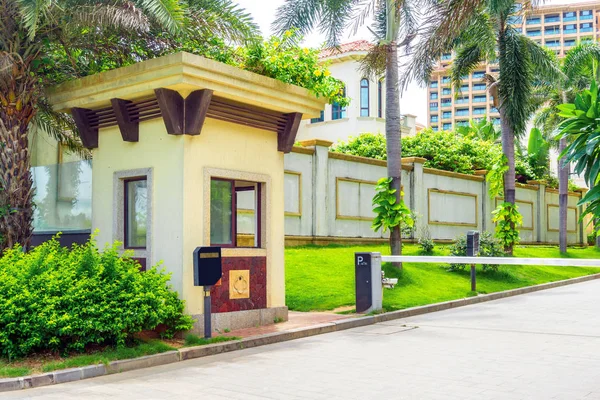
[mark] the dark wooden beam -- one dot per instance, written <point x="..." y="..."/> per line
<point x="87" y="133"/>
<point x="287" y="137"/>
<point x="196" y="107"/>
<point x="172" y="107"/>
<point x="130" y="130"/>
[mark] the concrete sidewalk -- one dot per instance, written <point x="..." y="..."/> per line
<point x="543" y="345"/>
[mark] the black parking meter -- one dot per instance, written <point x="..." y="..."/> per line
<point x="473" y="251"/>
<point x="208" y="271"/>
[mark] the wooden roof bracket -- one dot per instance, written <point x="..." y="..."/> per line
<point x="287" y="137"/>
<point x="127" y="119"/>
<point x="87" y="132"/>
<point x="183" y="116"/>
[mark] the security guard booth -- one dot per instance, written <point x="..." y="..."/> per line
<point x="188" y="152"/>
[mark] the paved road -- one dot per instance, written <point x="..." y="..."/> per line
<point x="544" y="345"/>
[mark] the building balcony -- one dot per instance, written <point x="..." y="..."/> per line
<point x="551" y="20"/>
<point x="589" y="29"/>
<point x="536" y="21"/>
<point x="568" y="19"/>
<point x="570" y="31"/>
<point x="586" y="17"/>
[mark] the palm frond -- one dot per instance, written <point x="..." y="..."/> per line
<point x="544" y="63"/>
<point x="33" y="13"/>
<point x="59" y="126"/>
<point x="515" y="80"/>
<point x="445" y="23"/>
<point x="466" y="60"/>
<point x="336" y="17"/>
<point x="303" y="15"/>
<point x="169" y="14"/>
<point x="583" y="59"/>
<point x="119" y="16"/>
<point x="222" y="18"/>
<point x="374" y="63"/>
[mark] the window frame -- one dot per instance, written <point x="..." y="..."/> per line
<point x="365" y="84"/>
<point x="320" y="119"/>
<point x="336" y="109"/>
<point x="234" y="214"/>
<point x="126" y="210"/>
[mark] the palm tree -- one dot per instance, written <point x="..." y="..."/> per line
<point x="485" y="35"/>
<point x="579" y="67"/>
<point x="393" y="21"/>
<point x="33" y="35"/>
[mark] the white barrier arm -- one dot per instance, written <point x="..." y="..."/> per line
<point x="555" y="262"/>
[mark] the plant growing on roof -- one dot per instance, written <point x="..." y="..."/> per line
<point x="281" y="58"/>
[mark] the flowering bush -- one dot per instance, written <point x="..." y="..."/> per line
<point x="282" y="59"/>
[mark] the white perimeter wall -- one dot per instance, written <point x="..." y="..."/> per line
<point x="329" y="195"/>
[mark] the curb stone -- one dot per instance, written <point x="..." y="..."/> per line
<point x="189" y="353"/>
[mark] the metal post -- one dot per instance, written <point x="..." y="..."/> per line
<point x="473" y="279"/>
<point x="207" y="313"/>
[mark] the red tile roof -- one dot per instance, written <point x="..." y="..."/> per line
<point x="359" y="45"/>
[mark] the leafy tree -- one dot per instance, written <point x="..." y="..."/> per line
<point x="394" y="21"/>
<point x="579" y="67"/>
<point x="487" y="36"/>
<point x="42" y="43"/>
<point x="581" y="128"/>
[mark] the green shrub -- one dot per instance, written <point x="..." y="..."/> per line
<point x="442" y="150"/>
<point x="489" y="246"/>
<point x="591" y="238"/>
<point x="58" y="299"/>
<point x="426" y="243"/>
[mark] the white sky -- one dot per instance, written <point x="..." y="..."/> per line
<point x="414" y="99"/>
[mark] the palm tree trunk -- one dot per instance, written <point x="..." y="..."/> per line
<point x="16" y="112"/>
<point x="508" y="148"/>
<point x="563" y="196"/>
<point x="563" y="192"/>
<point x="393" y="136"/>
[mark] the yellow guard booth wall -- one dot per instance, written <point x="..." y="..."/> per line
<point x="178" y="168"/>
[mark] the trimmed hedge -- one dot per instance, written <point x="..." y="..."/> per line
<point x="57" y="299"/>
<point x="442" y="150"/>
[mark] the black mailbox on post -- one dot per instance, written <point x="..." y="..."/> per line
<point x="207" y="266"/>
<point x="207" y="272"/>
<point x="472" y="244"/>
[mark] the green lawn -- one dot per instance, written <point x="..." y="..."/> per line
<point x="322" y="278"/>
<point x="40" y="364"/>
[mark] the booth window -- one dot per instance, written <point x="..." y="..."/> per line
<point x="136" y="212"/>
<point x="235" y="213"/>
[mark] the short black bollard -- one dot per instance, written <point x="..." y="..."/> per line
<point x="473" y="251"/>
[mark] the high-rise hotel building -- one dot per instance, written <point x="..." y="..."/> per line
<point x="559" y="27"/>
